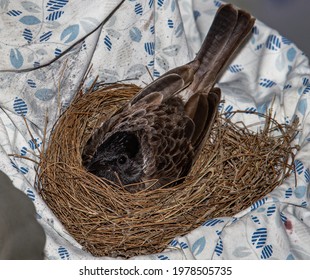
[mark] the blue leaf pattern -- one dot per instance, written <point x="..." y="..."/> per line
<point x="27" y="34"/>
<point x="259" y="47"/>
<point x="302" y="106"/>
<point x="198" y="246"/>
<point x="150" y="48"/>
<point x="162" y="63"/>
<point x="288" y="192"/>
<point x="255" y="219"/>
<point x="217" y="3"/>
<point x="219" y="247"/>
<point x="138" y="9"/>
<point x="250" y="110"/>
<point x="34" y="143"/>
<point x="31" y="7"/>
<point x="235" y="68"/>
<point x="273" y="43"/>
<point x="36" y="64"/>
<point x="46" y="36"/>
<point x="305" y="81"/>
<point x="255" y="30"/>
<point x="283" y="217"/>
<point x="234" y="220"/>
<point x="170" y="23"/>
<point x="151" y="2"/>
<point x="16" y="58"/>
<point x="267" y="83"/>
<point x="107" y="42"/>
<point x="286" y="41"/>
<point x="54" y="15"/>
<point x="259" y="237"/>
<point x="290" y="257"/>
<point x="135" y="34"/>
<point x="212" y="222"/>
<point x="30" y="20"/>
<point x="258" y="204"/>
<point x="179" y="30"/>
<point x="171" y="50"/>
<point x="307" y="175"/>
<point x="183" y="245"/>
<point x="307" y="89"/>
<point x="160" y="3"/>
<point x="299" y="167"/>
<point x="20" y="107"/>
<point x="304" y="204"/>
<point x="57" y="52"/>
<point x="271" y="209"/>
<point x="152" y="29"/>
<point x="55" y="5"/>
<point x="30" y="194"/>
<point x="23" y="170"/>
<point x="173" y="5"/>
<point x="70" y="33"/>
<point x="14" y="165"/>
<point x="163" y="257"/>
<point x="14" y="13"/>
<point x="267" y="252"/>
<point x="220" y="107"/>
<point x="45" y="94"/>
<point x="84" y="46"/>
<point x="156" y="73"/>
<point x="291" y="54"/>
<point x="300" y="191"/>
<point x="228" y="111"/>
<point x="136" y="71"/>
<point x="63" y="253"/>
<point x="31" y="83"/>
<point x="174" y="243"/>
<point x="287" y="86"/>
<point x="23" y="151"/>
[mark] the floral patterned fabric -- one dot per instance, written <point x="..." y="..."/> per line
<point x="48" y="46"/>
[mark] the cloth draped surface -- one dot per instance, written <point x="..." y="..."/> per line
<point x="47" y="47"/>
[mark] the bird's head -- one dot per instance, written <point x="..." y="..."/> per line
<point x="119" y="159"/>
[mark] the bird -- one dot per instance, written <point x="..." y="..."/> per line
<point x="154" y="139"/>
<point x="21" y="235"/>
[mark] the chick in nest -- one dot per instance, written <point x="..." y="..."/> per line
<point x="159" y="133"/>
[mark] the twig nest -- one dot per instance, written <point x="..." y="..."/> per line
<point x="236" y="168"/>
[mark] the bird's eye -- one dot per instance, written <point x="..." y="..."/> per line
<point x="122" y="160"/>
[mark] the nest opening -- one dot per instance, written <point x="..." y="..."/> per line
<point x="235" y="168"/>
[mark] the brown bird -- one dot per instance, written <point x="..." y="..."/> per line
<point x="160" y="132"/>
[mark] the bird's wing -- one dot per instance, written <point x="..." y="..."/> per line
<point x="166" y="85"/>
<point x="204" y="116"/>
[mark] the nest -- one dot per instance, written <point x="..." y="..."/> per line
<point x="236" y="168"/>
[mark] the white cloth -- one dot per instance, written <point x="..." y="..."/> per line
<point x="47" y="47"/>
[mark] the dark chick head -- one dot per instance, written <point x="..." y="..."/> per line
<point x="119" y="159"/>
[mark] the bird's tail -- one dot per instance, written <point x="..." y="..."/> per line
<point x="228" y="31"/>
